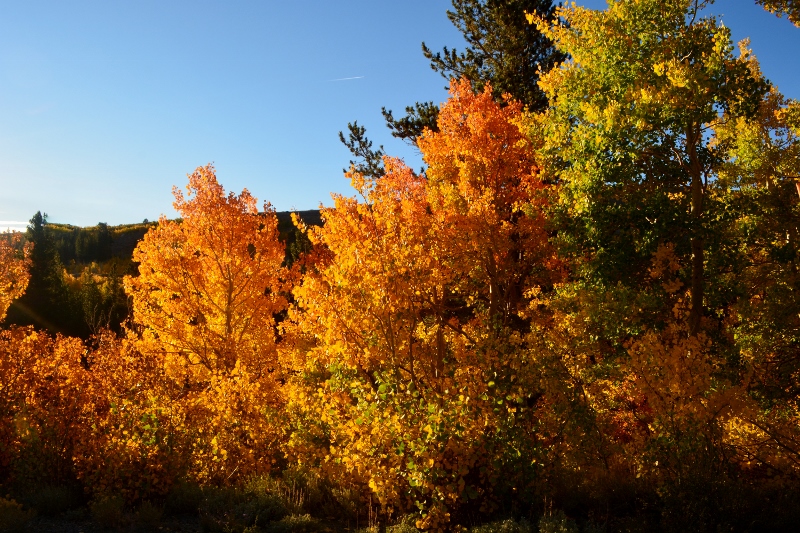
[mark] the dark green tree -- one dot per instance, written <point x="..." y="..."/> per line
<point x="502" y="49"/>
<point x="46" y="302"/>
<point x="368" y="161"/>
<point x="104" y="239"/>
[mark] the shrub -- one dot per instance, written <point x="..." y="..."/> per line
<point x="403" y="527"/>
<point x="557" y="522"/>
<point x="295" y="524"/>
<point x="108" y="512"/>
<point x="508" y="526"/>
<point x="149" y="515"/>
<point x="183" y="498"/>
<point x="53" y="500"/>
<point x="13" y="517"/>
<point x="232" y="510"/>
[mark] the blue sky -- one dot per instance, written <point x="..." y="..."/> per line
<point x="104" y="106"/>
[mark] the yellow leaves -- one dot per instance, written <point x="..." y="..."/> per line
<point x="665" y="265"/>
<point x="678" y="73"/>
<point x="530" y="17"/>
<point x="210" y="285"/>
<point x="791" y="116"/>
<point x="392" y="321"/>
<point x="781" y="8"/>
<point x="14" y="264"/>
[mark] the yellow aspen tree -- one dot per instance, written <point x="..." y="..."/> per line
<point x="205" y="300"/>
<point x="407" y="328"/>
<point x="41" y="395"/>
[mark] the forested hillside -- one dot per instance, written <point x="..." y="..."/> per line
<point x="77" y="272"/>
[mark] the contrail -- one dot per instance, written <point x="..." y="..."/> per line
<point x="344" y="79"/>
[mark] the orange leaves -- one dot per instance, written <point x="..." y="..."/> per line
<point x="14" y="264"/>
<point x="127" y="437"/>
<point x="480" y="155"/>
<point x="205" y="301"/>
<point x="41" y="391"/>
<point x="405" y="321"/>
<point x="485" y="192"/>
<point x="210" y="285"/>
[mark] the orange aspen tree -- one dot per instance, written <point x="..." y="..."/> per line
<point x="205" y="300"/>
<point x="41" y="395"/>
<point x="14" y="275"/>
<point x="132" y="437"/>
<point x="407" y="325"/>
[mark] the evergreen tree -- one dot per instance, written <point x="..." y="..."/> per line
<point x="45" y="303"/>
<point x="104" y="239"/>
<point x="502" y="49"/>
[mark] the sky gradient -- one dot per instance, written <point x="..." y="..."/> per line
<point x="104" y="106"/>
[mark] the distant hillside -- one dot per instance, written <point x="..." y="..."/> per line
<point x="312" y="217"/>
<point x="100" y="243"/>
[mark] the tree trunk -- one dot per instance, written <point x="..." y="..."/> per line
<point x="693" y="137"/>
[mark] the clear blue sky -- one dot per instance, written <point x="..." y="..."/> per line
<point x="105" y="105"/>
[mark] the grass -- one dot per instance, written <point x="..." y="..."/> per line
<point x="237" y="510"/>
<point x="149" y="516"/>
<point x="298" y="501"/>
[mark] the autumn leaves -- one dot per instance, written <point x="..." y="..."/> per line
<point x="600" y="298"/>
<point x="14" y="274"/>
<point x="391" y="358"/>
<point x="409" y="329"/>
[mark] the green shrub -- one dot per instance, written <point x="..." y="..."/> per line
<point x="506" y="526"/>
<point x="53" y="500"/>
<point x="234" y="510"/>
<point x="291" y="493"/>
<point x="13" y="517"/>
<point x="403" y="527"/>
<point x="108" y="512"/>
<point x="295" y="524"/>
<point x="183" y="498"/>
<point x="557" y="522"/>
<point x="149" y="516"/>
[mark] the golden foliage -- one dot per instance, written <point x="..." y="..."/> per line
<point x="14" y="265"/>
<point x="41" y="395"/>
<point x="209" y="285"/>
<point x="438" y="354"/>
<point x="204" y="304"/>
<point x="406" y="324"/>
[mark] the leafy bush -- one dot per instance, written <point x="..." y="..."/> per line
<point x="234" y="510"/>
<point x="404" y="526"/>
<point x="505" y="526"/>
<point x="13" y="517"/>
<point x="183" y="498"/>
<point x="295" y="524"/>
<point x="108" y="512"/>
<point x="557" y="522"/>
<point x="53" y="500"/>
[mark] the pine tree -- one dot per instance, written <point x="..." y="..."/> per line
<point x="43" y="304"/>
<point x="502" y="50"/>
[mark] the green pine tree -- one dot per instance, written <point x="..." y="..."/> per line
<point x="45" y="304"/>
<point x="502" y="49"/>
